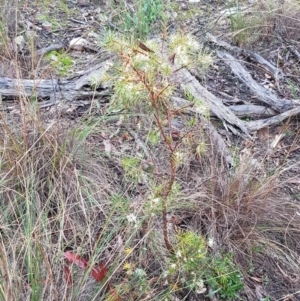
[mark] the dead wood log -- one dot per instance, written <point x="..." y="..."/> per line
<point x="288" y="108"/>
<point x="263" y="94"/>
<point x="248" y="110"/>
<point x="57" y="90"/>
<point x="275" y="71"/>
<point x="189" y="83"/>
<point x="253" y="111"/>
<point x="53" y="47"/>
<point x="259" y="124"/>
<point x="51" y="92"/>
<point x="216" y="138"/>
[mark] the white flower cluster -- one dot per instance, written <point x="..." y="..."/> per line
<point x="200" y="288"/>
<point x="183" y="46"/>
<point x="154" y="202"/>
<point x="132" y="219"/>
<point x="140" y="273"/>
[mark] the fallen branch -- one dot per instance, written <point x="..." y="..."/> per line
<point x="211" y="131"/>
<point x="259" y="124"/>
<point x="262" y="93"/>
<point x="53" y="47"/>
<point x="289" y="45"/>
<point x="253" y="111"/>
<point x="288" y="108"/>
<point x="79" y="88"/>
<point x="276" y="72"/>
<point x="189" y="83"/>
<point x="84" y="88"/>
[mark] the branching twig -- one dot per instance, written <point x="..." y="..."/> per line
<point x="154" y="98"/>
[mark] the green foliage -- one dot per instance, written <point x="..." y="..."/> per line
<point x="238" y="26"/>
<point x="142" y="80"/>
<point x="159" y="188"/>
<point x="33" y="265"/>
<point x="199" y="106"/>
<point x="120" y="203"/>
<point x="224" y="277"/>
<point x="132" y="168"/>
<point x="189" y="261"/>
<point x="60" y="61"/>
<point x="294" y="90"/>
<point x="195" y="267"/>
<point x="142" y="75"/>
<point x="153" y="137"/>
<point x="140" y="19"/>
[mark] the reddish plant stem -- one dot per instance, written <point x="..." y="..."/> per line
<point x="154" y="98"/>
<point x="167" y="191"/>
<point x="164" y="205"/>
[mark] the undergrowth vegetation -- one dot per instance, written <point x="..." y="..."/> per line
<point x="135" y="203"/>
<point x="265" y="20"/>
<point x="141" y="16"/>
<point x="137" y="17"/>
<point x="60" y="61"/>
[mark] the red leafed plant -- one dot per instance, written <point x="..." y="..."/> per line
<point x="81" y="262"/>
<point x="97" y="272"/>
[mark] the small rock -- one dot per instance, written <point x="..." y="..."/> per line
<point x="83" y="2"/>
<point x="183" y="6"/>
<point x="271" y="86"/>
<point x="78" y="44"/>
<point x="92" y="34"/>
<point x="47" y="26"/>
<point x="268" y="76"/>
<point x="20" y="42"/>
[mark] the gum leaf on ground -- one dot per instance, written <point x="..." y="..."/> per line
<point x="98" y="272"/>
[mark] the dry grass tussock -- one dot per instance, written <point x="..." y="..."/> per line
<point x="266" y="20"/>
<point x="247" y="215"/>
